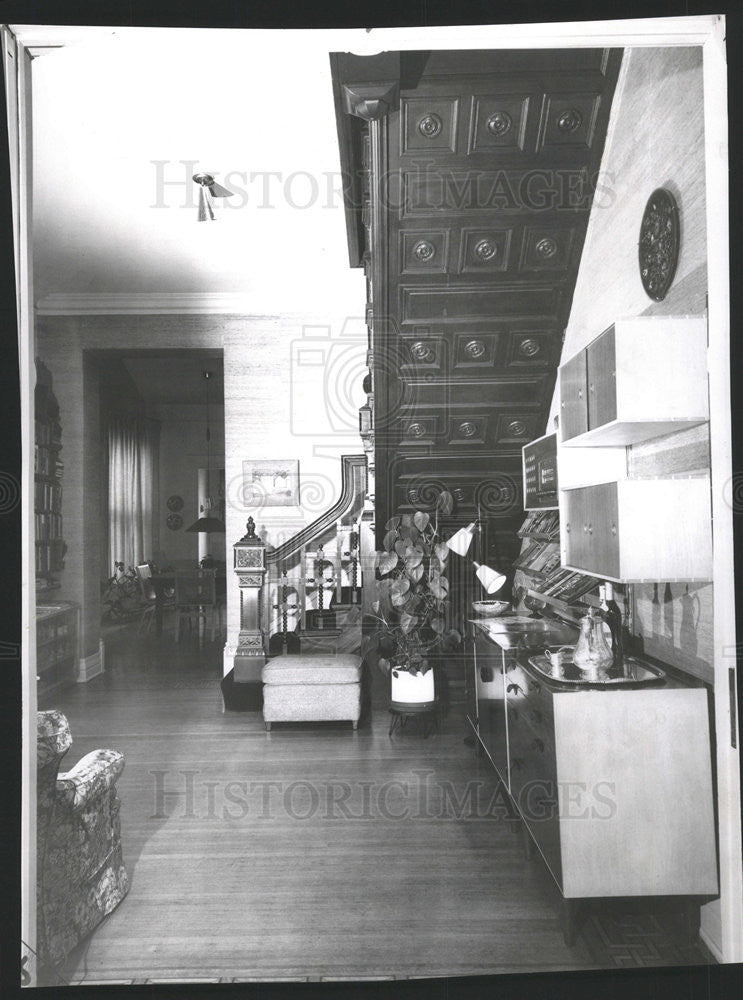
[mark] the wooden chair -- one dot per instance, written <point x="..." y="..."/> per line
<point x="147" y="590"/>
<point x="196" y="597"/>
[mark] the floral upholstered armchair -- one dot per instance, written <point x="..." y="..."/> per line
<point x="81" y="874"/>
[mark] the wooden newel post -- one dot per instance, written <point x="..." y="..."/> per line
<point x="250" y="566"/>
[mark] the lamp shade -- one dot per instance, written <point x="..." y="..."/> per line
<point x="212" y="525"/>
<point x="489" y="578"/>
<point x="461" y="541"/>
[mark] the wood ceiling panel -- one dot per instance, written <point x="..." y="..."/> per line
<point x="485" y="173"/>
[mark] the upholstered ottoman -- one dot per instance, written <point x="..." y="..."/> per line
<point x="314" y="688"/>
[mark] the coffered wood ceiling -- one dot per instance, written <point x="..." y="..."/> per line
<point x="468" y="197"/>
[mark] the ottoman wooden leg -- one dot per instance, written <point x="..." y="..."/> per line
<point x="268" y="727"/>
<point x="355" y="724"/>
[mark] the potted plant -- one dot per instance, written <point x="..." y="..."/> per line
<point x="409" y="619"/>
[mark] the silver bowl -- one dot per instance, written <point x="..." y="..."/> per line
<point x="490" y="609"/>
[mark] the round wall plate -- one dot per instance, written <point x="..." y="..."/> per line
<point x="658" y="246"/>
<point x="174" y="522"/>
<point x="175" y="502"/>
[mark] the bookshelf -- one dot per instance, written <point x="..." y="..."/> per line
<point x="48" y="474"/>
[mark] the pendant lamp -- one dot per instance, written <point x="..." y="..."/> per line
<point x="208" y="191"/>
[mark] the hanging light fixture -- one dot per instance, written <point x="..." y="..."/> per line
<point x="206" y="522"/>
<point x="208" y="190"/>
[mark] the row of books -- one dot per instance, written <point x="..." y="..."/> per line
<point x="545" y="523"/>
<point x="539" y="557"/>
<point x="46" y="463"/>
<point x="48" y="497"/>
<point x="48" y="433"/>
<point x="50" y="556"/>
<point x="48" y="526"/>
<point x="567" y="585"/>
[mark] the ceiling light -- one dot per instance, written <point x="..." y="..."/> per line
<point x="208" y="190"/>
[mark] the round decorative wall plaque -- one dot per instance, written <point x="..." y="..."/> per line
<point x="175" y="502"/>
<point x="658" y="247"/>
<point x="174" y="522"/>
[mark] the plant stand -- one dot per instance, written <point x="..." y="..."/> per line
<point x="400" y="712"/>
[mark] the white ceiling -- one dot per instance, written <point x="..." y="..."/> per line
<point x="117" y="115"/>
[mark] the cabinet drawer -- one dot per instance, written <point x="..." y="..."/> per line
<point x="639" y="529"/>
<point x="601" y="368"/>
<point x="573" y="402"/>
<point x="533" y="769"/>
<point x="491" y="712"/>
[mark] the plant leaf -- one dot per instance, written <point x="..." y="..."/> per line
<point x="421" y="519"/>
<point x="442" y="551"/>
<point x="375" y="607"/>
<point x="400" y="547"/>
<point x="407" y="621"/>
<point x="414" y="572"/>
<point x="409" y="532"/>
<point x="387" y="562"/>
<point x="394" y="522"/>
<point x="440" y="587"/>
<point x="389" y="540"/>
<point x="452" y="637"/>
<point x="413" y="556"/>
<point x="399" y="591"/>
<point x="437" y="624"/>
<point x="383" y="663"/>
<point x="445" y="502"/>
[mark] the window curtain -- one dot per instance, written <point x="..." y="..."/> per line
<point x="131" y="452"/>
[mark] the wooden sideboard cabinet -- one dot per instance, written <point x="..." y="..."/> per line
<point x="641" y="378"/>
<point x="57" y="630"/>
<point x="638" y="529"/>
<point x="614" y="786"/>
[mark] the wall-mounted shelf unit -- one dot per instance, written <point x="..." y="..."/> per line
<point x="640" y="379"/>
<point x="639" y="530"/>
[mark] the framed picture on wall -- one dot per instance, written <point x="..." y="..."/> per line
<point x="271" y="483"/>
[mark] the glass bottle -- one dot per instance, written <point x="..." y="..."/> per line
<point x="592" y="653"/>
<point x="613" y="616"/>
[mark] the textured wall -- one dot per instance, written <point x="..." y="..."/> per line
<point x="655" y="140"/>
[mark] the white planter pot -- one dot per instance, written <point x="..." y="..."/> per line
<point x="412" y="689"/>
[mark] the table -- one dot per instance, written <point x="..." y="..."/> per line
<point x="165" y="580"/>
<point x="161" y="582"/>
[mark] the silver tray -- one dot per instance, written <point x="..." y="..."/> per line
<point x="635" y="672"/>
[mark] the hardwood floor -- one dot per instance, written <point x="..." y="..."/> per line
<point x="316" y="852"/>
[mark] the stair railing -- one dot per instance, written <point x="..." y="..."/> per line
<point x="293" y="585"/>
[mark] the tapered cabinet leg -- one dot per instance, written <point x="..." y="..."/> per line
<point x="355" y="724"/>
<point x="268" y="727"/>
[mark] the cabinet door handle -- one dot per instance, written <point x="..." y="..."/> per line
<point x="613" y="529"/>
<point x="585" y="529"/>
<point x="590" y="387"/>
<point x="580" y="394"/>
<point x="567" y="527"/>
<point x="514" y="688"/>
<point x="590" y="528"/>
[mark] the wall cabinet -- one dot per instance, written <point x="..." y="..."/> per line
<point x="639" y="529"/>
<point x="614" y="786"/>
<point x="641" y="378"/>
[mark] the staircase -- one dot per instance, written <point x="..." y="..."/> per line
<point x="313" y="593"/>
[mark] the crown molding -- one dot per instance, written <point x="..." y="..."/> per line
<point x="144" y="303"/>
